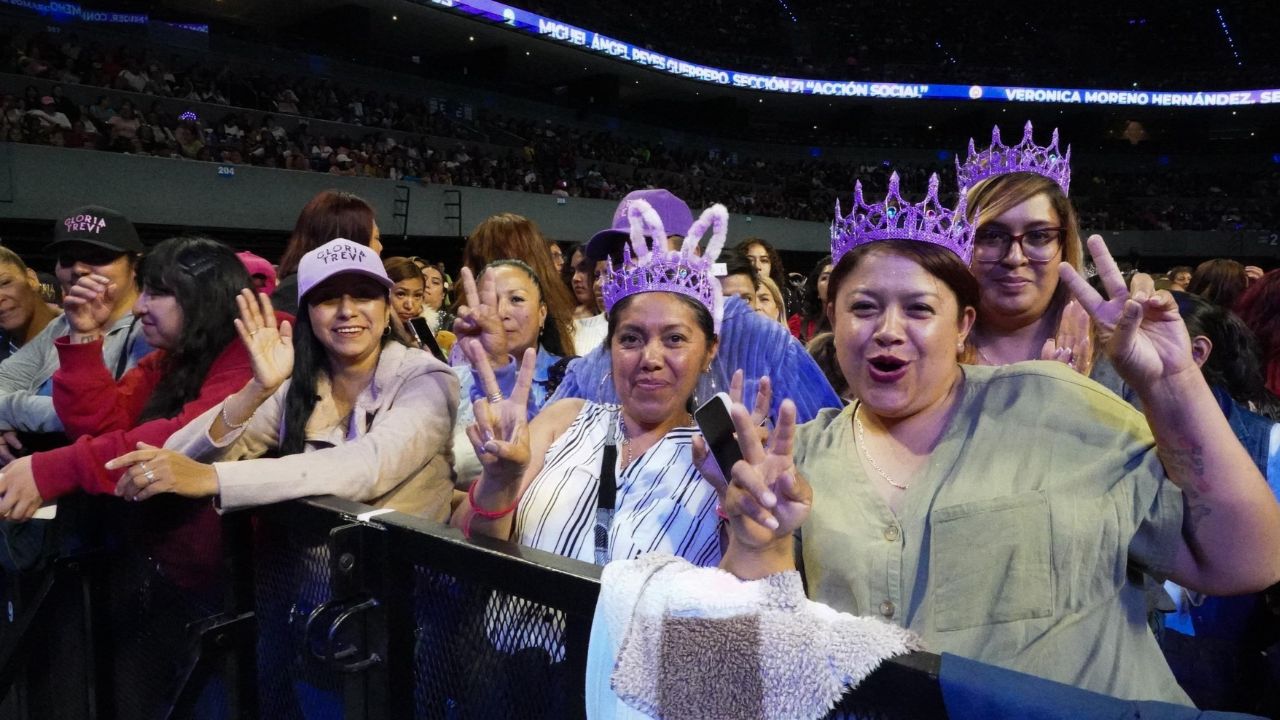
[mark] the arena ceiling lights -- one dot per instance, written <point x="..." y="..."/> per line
<point x="563" y="33"/>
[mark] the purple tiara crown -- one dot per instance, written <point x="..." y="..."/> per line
<point x="1026" y="156"/>
<point x="680" y="271"/>
<point x="897" y="219"/>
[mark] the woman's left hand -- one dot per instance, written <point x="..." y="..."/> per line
<point x="1140" y="329"/>
<point x="153" y="470"/>
<point x="1073" y="344"/>
<point x="19" y="497"/>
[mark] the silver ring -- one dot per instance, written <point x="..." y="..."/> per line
<point x="496" y="398"/>
<point x="143" y="466"/>
<point x="150" y="476"/>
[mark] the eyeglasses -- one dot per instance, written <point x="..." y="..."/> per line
<point x="1039" y="245"/>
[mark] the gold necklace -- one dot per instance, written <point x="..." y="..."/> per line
<point x="862" y="445"/>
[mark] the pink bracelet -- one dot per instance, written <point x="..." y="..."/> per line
<point x="486" y="514"/>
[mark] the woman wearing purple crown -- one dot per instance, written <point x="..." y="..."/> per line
<point x="1001" y="512"/>
<point x="1025" y="227"/>
<point x="600" y="482"/>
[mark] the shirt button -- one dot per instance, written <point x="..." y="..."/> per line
<point x="886" y="609"/>
<point x="891" y="533"/>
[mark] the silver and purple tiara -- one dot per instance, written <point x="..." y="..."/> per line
<point x="1026" y="156"/>
<point x="680" y="271"/>
<point x="896" y="219"/>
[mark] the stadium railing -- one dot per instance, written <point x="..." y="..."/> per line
<point x="329" y="610"/>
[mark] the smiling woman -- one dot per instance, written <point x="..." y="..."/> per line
<point x="350" y="411"/>
<point x="601" y="482"/>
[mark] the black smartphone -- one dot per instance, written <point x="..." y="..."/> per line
<point x="717" y="427"/>
<point x="426" y="339"/>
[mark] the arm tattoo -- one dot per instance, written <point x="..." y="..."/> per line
<point x="1186" y="467"/>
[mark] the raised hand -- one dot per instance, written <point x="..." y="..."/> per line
<point x="479" y="319"/>
<point x="1073" y="344"/>
<point x="766" y="499"/>
<point x="270" y="347"/>
<point x="1140" y="329"/>
<point x="500" y="433"/>
<point x="88" y="304"/>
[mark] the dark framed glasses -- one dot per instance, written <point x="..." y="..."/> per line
<point x="1039" y="245"/>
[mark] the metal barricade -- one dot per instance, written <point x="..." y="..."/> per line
<point x="325" y="612"/>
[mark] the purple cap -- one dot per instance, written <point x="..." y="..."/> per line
<point x="339" y="256"/>
<point x="674" y="212"/>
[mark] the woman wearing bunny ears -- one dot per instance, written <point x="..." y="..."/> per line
<point x="602" y="482"/>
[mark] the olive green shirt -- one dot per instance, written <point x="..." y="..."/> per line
<point x="1014" y="547"/>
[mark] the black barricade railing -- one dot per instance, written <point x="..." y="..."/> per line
<point x="324" y="612"/>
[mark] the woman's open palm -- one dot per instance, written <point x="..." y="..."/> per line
<point x="270" y="346"/>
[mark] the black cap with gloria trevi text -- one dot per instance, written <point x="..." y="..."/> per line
<point x="96" y="225"/>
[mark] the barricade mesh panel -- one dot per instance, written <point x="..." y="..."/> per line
<point x="293" y="578"/>
<point x="482" y="654"/>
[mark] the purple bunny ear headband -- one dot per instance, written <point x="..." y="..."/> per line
<point x="681" y="271"/>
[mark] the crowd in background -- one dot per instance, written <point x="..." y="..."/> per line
<point x="442" y="144"/>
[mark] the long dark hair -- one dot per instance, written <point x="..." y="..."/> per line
<point x="330" y="214"/>
<point x="1219" y="281"/>
<point x="204" y="276"/>
<point x="813" y="310"/>
<point x="309" y="360"/>
<point x="1234" y="363"/>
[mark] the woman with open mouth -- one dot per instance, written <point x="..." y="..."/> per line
<point x="1001" y="512"/>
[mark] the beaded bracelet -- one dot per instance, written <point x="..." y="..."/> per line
<point x="227" y="421"/>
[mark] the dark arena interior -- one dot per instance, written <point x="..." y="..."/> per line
<point x="413" y="340"/>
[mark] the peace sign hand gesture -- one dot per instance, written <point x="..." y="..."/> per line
<point x="1139" y="329"/>
<point x="479" y="319"/>
<point x="766" y="499"/>
<point x="500" y="433"/>
<point x="270" y="347"/>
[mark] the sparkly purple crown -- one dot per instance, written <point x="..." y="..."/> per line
<point x="680" y="271"/>
<point x="897" y="219"/>
<point x="1026" y="156"/>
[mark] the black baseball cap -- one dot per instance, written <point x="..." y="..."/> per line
<point x="97" y="225"/>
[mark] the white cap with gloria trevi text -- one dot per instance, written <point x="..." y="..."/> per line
<point x="339" y="256"/>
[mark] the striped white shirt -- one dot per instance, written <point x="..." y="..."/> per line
<point x="663" y="504"/>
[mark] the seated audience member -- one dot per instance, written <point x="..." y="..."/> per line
<point x="769" y="301"/>
<point x="330" y="214"/>
<point x="1025" y="226"/>
<point x="434" y="297"/>
<point x="1179" y="278"/>
<point x="747" y="341"/>
<point x="409" y="290"/>
<point x="348" y="410"/>
<point x="189" y="286"/>
<point x="90" y="240"/>
<point x="740" y="280"/>
<point x="543" y="479"/>
<point x="1219" y="281"/>
<point x="1016" y="531"/>
<point x="23" y="311"/>
<point x="768" y="264"/>
<point x="811" y="318"/>
<point x="1217" y="646"/>
<point x="260" y="270"/>
<point x="589" y="324"/>
<point x="508" y="315"/>
<point x="507" y="236"/>
<point x="1259" y="308"/>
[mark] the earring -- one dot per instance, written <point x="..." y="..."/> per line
<point x="606" y="393"/>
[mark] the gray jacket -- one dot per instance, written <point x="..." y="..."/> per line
<point x="25" y="371"/>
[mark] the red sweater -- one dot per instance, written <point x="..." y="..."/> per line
<point x="100" y="414"/>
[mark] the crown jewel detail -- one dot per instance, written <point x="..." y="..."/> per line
<point x="896" y="219"/>
<point x="1026" y="156"/>
<point x="680" y="271"/>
